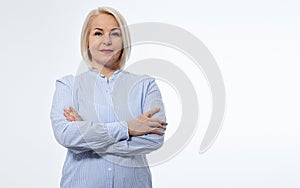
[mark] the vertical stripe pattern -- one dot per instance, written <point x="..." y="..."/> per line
<point x="100" y="153"/>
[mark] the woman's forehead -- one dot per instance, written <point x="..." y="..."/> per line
<point x="104" y="21"/>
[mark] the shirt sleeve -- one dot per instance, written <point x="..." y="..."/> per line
<point x="81" y="136"/>
<point x="139" y="145"/>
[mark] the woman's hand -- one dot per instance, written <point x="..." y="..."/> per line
<point x="144" y="124"/>
<point x="72" y="115"/>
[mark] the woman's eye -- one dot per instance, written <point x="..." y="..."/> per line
<point x="98" y="34"/>
<point x="116" y="34"/>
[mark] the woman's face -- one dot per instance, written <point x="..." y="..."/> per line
<point x="105" y="41"/>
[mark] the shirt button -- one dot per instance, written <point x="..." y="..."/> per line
<point x="109" y="169"/>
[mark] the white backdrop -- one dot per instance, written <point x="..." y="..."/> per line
<point x="256" y="44"/>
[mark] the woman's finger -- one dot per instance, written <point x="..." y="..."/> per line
<point x="155" y="131"/>
<point x="158" y="120"/>
<point x="164" y="123"/>
<point x="67" y="110"/>
<point x="66" y="114"/>
<point x="72" y="109"/>
<point x="163" y="127"/>
<point x="155" y="125"/>
<point x="159" y="126"/>
<point x="75" y="114"/>
<point x="151" y="112"/>
<point x="155" y="120"/>
<point x="69" y="118"/>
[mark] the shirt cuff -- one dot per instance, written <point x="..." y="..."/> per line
<point x="118" y="130"/>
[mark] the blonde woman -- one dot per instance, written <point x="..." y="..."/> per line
<point x="106" y="117"/>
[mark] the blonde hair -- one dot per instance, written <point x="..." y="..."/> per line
<point x="86" y="32"/>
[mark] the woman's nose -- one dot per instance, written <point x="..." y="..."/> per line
<point x="106" y="39"/>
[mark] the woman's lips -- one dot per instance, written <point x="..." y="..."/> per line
<point x="106" y="51"/>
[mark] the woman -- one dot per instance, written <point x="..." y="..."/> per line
<point x="106" y="117"/>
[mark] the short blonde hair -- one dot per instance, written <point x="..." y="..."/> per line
<point x="86" y="32"/>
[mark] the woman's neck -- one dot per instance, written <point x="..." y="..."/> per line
<point x="106" y="71"/>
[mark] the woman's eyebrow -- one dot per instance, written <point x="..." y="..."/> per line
<point x="117" y="28"/>
<point x="98" y="28"/>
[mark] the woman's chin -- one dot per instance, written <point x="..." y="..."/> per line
<point x="106" y="63"/>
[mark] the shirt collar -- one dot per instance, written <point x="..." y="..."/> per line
<point x="112" y="76"/>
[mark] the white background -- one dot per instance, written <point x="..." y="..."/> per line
<point x="256" y="44"/>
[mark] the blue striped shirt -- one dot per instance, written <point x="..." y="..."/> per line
<point x="100" y="153"/>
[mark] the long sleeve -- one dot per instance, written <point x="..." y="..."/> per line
<point x="81" y="136"/>
<point x="138" y="145"/>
